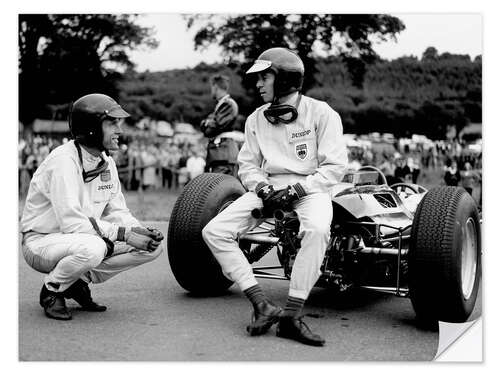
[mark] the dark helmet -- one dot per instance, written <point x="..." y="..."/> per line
<point x="287" y="67"/>
<point x="86" y="116"/>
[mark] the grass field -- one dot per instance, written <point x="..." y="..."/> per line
<point x="154" y="205"/>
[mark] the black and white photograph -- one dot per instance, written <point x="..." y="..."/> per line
<point x="248" y="186"/>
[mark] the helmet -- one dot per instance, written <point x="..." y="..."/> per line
<point x="287" y="67"/>
<point x="86" y="116"/>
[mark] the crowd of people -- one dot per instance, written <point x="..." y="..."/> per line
<point x="34" y="149"/>
<point x="148" y="164"/>
<point x="450" y="161"/>
<point x="153" y="165"/>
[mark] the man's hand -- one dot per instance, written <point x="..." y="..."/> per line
<point x="143" y="238"/>
<point x="157" y="235"/>
<point x="265" y="192"/>
<point x="209" y="126"/>
<point x="283" y="199"/>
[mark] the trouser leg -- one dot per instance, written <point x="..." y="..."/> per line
<point x="64" y="257"/>
<point x="221" y="233"/>
<point x="169" y="178"/>
<point x="315" y="214"/>
<point x="124" y="258"/>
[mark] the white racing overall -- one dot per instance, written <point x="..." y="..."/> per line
<point x="58" y="238"/>
<point x="311" y="151"/>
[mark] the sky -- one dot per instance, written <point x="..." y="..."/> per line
<point x="448" y="32"/>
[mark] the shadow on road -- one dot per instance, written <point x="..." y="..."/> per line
<point x="349" y="300"/>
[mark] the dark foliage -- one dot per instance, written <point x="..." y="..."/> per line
<point x="178" y="95"/>
<point x="350" y="36"/>
<point x="65" y="56"/>
<point x="62" y="57"/>
<point x="404" y="96"/>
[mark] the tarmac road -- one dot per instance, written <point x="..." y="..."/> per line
<point x="151" y="318"/>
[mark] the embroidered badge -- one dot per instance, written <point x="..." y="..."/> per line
<point x="106" y="175"/>
<point x="301" y="151"/>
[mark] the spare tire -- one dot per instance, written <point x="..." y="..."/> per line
<point x="444" y="259"/>
<point x="191" y="261"/>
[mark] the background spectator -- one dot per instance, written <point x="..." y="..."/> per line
<point x="149" y="161"/>
<point x="402" y="173"/>
<point x="195" y="165"/>
<point x="452" y="174"/>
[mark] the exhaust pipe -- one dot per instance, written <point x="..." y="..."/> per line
<point x="259" y="238"/>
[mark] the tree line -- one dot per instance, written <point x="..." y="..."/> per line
<point x="64" y="56"/>
<point x="403" y="96"/>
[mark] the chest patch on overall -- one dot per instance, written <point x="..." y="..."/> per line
<point x="106" y="176"/>
<point x="301" y="150"/>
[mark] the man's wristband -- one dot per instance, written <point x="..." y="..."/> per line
<point x="121" y="234"/>
<point x="299" y="189"/>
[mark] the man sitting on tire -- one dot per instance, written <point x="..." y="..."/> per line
<point x="293" y="154"/>
<point x="76" y="226"/>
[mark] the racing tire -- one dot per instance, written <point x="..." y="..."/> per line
<point x="192" y="263"/>
<point x="444" y="258"/>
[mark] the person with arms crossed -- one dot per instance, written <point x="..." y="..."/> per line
<point x="222" y="148"/>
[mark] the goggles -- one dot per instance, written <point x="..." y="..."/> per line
<point x="282" y="113"/>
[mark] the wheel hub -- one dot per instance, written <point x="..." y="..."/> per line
<point x="469" y="258"/>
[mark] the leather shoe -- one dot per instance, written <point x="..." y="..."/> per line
<point x="265" y="314"/>
<point x="54" y="305"/>
<point x="295" y="329"/>
<point x="80" y="292"/>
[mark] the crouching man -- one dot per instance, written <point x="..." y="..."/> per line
<point x="293" y="154"/>
<point x="76" y="226"/>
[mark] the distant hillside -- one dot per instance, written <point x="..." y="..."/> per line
<point x="406" y="95"/>
<point x="402" y="96"/>
<point x="177" y="95"/>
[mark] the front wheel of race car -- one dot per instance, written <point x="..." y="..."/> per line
<point x="444" y="259"/>
<point x="191" y="261"/>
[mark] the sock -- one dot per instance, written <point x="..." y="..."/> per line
<point x="255" y="294"/>
<point x="293" y="307"/>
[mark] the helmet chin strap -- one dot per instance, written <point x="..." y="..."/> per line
<point x="282" y="113"/>
<point x="93" y="173"/>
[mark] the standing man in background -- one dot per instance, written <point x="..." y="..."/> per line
<point x="222" y="149"/>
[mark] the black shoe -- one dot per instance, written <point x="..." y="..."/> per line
<point x="54" y="305"/>
<point x="295" y="329"/>
<point x="264" y="316"/>
<point x="80" y="292"/>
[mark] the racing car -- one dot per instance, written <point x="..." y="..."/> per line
<point x="401" y="239"/>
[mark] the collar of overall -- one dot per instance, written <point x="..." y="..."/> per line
<point x="282" y="113"/>
<point x="93" y="173"/>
